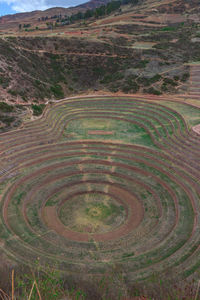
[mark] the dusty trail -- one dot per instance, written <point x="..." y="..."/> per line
<point x="40" y="51"/>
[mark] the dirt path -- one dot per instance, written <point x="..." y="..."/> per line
<point x="70" y="53"/>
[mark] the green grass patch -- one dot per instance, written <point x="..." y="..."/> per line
<point x="123" y="131"/>
<point x="190" y="114"/>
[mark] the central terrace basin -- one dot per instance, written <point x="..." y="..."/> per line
<point x="99" y="181"/>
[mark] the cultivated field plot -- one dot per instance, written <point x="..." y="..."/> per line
<point x="103" y="181"/>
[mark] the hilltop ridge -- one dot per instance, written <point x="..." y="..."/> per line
<point x="25" y="17"/>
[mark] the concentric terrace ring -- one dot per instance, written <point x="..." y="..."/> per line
<point x="99" y="181"/>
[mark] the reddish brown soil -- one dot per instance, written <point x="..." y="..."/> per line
<point x="135" y="216"/>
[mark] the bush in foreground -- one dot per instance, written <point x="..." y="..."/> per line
<point x="50" y="284"/>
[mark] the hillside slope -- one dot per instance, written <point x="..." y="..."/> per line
<point x="134" y="49"/>
<point x="12" y="21"/>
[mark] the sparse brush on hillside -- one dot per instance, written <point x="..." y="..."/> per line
<point x="99" y="52"/>
<point x="41" y="72"/>
<point x="10" y="116"/>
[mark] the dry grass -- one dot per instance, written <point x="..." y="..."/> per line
<point x="83" y="292"/>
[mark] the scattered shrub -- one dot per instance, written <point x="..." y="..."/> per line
<point x="37" y="109"/>
<point x="6" y="108"/>
<point x="170" y="81"/>
<point x="19" y="106"/>
<point x="148" y="81"/>
<point x="164" y="87"/>
<point x="176" y="78"/>
<point x="4" y="82"/>
<point x="57" y="91"/>
<point x="7" y="119"/>
<point x="162" y="46"/>
<point x="142" y="64"/>
<point x="99" y="71"/>
<point x="169" y="28"/>
<point x="130" y="85"/>
<point x="185" y="77"/>
<point x="112" y="77"/>
<point x="37" y="82"/>
<point x="152" y="91"/>
<point x="12" y="92"/>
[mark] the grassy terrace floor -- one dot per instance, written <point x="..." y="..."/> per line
<point x="101" y="181"/>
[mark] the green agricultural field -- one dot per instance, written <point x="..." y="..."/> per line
<point x="104" y="181"/>
<point x="189" y="112"/>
